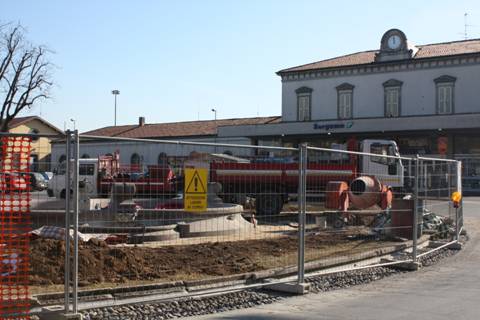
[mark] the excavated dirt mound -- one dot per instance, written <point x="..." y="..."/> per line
<point x="99" y="262"/>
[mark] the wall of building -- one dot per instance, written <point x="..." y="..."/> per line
<point x="40" y="147"/>
<point x="149" y="152"/>
<point x="417" y="97"/>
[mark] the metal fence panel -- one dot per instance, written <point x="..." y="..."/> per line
<point x="438" y="180"/>
<point x="135" y="230"/>
<point x="113" y="214"/>
<point x="358" y="204"/>
<point x="28" y="221"/>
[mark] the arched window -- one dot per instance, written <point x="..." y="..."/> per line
<point x="228" y="153"/>
<point x="62" y="158"/>
<point x="135" y="159"/>
<point x="162" y="159"/>
<point x="85" y="156"/>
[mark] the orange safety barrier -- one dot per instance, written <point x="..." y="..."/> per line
<point x="15" y="225"/>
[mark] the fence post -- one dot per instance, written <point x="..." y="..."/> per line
<point x="415" y="211"/>
<point x="459" y="210"/>
<point x="302" y="190"/>
<point x="76" y="152"/>
<point x="67" y="221"/>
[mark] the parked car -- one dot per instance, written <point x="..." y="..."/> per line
<point x="36" y="181"/>
<point x="47" y="175"/>
<point x="12" y="182"/>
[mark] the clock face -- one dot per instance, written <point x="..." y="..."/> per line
<point x="394" y="42"/>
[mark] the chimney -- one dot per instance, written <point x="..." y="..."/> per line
<point x="141" y="121"/>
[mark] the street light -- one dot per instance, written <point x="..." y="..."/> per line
<point x="215" y="139"/>
<point x="115" y="93"/>
<point x="74" y="123"/>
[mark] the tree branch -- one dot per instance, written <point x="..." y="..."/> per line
<point x="24" y="73"/>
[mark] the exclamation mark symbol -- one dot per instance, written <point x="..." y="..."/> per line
<point x="195" y="182"/>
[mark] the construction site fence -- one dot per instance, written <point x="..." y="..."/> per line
<point x="127" y="213"/>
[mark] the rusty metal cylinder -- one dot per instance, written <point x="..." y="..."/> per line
<point x="365" y="192"/>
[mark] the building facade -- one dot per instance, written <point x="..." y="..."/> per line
<point x="424" y="97"/>
<point x="40" y="157"/>
<point x="150" y="153"/>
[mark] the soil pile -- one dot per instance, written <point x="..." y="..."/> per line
<point x="99" y="262"/>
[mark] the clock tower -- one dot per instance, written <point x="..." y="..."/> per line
<point x="394" y="46"/>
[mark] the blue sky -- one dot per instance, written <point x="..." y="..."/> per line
<point x="176" y="60"/>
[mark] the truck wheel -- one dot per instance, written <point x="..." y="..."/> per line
<point x="339" y="223"/>
<point x="270" y="204"/>
<point x="335" y="220"/>
<point x="63" y="193"/>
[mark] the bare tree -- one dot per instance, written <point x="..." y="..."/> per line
<point x="24" y="74"/>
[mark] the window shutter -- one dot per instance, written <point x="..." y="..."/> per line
<point x="303" y="108"/>
<point x="441" y="99"/>
<point x="448" y="99"/>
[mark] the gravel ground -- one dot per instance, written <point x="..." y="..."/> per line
<point x="436" y="256"/>
<point x="347" y="279"/>
<point x="249" y="298"/>
<point x="184" y="308"/>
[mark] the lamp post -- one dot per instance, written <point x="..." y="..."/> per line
<point x="215" y="139"/>
<point x="74" y="123"/>
<point x="115" y="93"/>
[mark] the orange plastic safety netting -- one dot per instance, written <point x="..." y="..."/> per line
<point x="15" y="225"/>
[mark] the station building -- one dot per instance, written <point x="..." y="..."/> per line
<point x="425" y="97"/>
<point x="150" y="153"/>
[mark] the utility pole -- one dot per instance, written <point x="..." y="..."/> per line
<point x="115" y="93"/>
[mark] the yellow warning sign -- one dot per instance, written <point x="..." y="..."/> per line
<point x="195" y="193"/>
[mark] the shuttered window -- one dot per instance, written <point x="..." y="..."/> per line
<point x="304" y="102"/>
<point x="392" y="101"/>
<point x="445" y="91"/>
<point x="345" y="104"/>
<point x="445" y="98"/>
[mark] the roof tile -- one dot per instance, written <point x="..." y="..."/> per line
<point x="368" y="57"/>
<point x="177" y="129"/>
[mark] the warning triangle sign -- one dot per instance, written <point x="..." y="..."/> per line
<point x="196" y="184"/>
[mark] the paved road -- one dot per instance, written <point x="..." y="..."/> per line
<point x="448" y="290"/>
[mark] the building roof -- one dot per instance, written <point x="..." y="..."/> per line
<point x="177" y="129"/>
<point x="15" y="122"/>
<point x="368" y="57"/>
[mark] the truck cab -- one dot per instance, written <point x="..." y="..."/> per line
<point x="390" y="171"/>
<point x="87" y="178"/>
